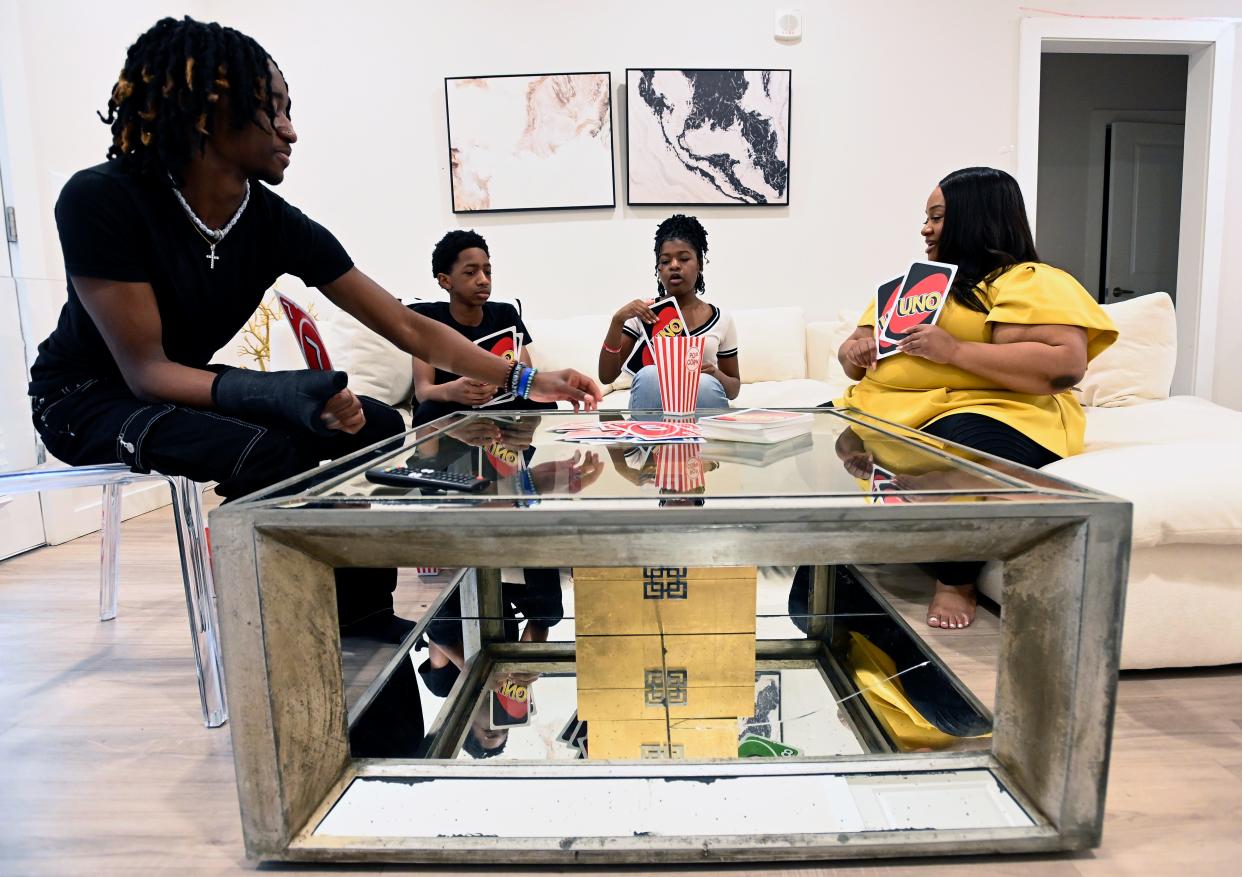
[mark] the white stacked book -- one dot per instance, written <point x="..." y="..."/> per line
<point x="757" y="425"/>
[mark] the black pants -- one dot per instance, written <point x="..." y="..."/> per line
<point x="989" y="435"/>
<point x="97" y="421"/>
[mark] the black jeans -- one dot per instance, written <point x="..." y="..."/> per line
<point x="100" y="421"/>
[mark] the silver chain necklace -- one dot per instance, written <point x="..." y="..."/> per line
<point x="211" y="235"/>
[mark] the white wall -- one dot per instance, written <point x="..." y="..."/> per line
<point x="886" y="100"/>
<point x="1071" y="87"/>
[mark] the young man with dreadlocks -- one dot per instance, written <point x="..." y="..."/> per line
<point x="170" y="246"/>
<point x="680" y="251"/>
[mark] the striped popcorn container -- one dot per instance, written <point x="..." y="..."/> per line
<point x="679" y="362"/>
<point x="679" y="467"/>
<point x="424" y="571"/>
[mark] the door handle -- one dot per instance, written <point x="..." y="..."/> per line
<point x="1118" y="291"/>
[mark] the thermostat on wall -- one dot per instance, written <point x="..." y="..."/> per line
<point x="787" y="26"/>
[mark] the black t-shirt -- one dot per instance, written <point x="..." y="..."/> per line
<point x="496" y="316"/>
<point x="117" y="226"/>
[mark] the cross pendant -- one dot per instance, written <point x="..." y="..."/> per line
<point x="213" y="257"/>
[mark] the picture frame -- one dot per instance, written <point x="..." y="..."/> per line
<point x="540" y="141"/>
<point x="708" y="136"/>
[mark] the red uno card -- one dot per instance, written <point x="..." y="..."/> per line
<point x="504" y="460"/>
<point x="922" y="297"/>
<point x="510" y="705"/>
<point x="885" y="299"/>
<point x="307" y="333"/>
<point x="669" y="321"/>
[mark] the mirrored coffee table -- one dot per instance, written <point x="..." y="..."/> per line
<point x="676" y="652"/>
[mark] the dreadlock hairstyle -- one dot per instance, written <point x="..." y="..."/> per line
<point x="679" y="227"/>
<point x="450" y="247"/>
<point x="162" y="107"/>
<point x="985" y="230"/>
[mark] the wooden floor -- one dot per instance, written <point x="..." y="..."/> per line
<point x="105" y="767"/>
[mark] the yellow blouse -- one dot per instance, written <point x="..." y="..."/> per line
<point x="914" y="391"/>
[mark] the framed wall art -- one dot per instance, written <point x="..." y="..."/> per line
<point x="530" y="142"/>
<point x="707" y="136"/>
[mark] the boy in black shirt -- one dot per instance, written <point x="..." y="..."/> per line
<point x="169" y="247"/>
<point x="461" y="264"/>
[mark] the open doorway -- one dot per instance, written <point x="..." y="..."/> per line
<point x="1111" y="138"/>
<point x="1205" y="50"/>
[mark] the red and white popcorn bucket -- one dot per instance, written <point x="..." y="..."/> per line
<point x="679" y="467"/>
<point x="425" y="571"/>
<point x="679" y="362"/>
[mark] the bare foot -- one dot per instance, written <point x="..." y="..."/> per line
<point x="952" y="606"/>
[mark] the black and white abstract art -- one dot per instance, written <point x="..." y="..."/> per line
<point x="530" y="142"/>
<point x="707" y="136"/>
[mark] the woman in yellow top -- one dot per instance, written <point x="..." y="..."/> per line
<point x="995" y="372"/>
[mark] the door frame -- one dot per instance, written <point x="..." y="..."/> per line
<point x="1209" y="48"/>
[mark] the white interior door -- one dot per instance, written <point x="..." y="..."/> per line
<point x="1144" y="209"/>
<point x="21" y="522"/>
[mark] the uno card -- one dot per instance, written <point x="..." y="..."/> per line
<point x="507" y="344"/>
<point x="754" y="746"/>
<point x="307" y="333"/>
<point x="510" y="705"/>
<point x="884" y="487"/>
<point x="669" y="321"/>
<point x="885" y="299"/>
<point x="504" y="459"/>
<point x="922" y="297"/>
<point x="571" y="728"/>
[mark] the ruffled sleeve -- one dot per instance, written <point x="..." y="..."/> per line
<point x="1035" y="294"/>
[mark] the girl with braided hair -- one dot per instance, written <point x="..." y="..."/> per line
<point x="680" y="251"/>
<point x="169" y="247"/>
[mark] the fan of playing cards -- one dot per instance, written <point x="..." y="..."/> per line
<point x="669" y="322"/>
<point x="632" y="432"/>
<point x="913" y="299"/>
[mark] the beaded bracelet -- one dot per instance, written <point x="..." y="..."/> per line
<point x="511" y="378"/>
<point x="524" y="384"/>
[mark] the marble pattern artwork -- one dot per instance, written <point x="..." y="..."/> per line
<point x="708" y="136"/>
<point x="530" y="142"/>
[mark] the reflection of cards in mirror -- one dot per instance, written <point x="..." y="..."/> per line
<point x="636" y="432"/>
<point x="510" y="705"/>
<point x="884" y="487"/>
<point x="669" y="321"/>
<point x="574" y="735"/>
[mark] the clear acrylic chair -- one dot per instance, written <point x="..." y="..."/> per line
<point x="200" y="593"/>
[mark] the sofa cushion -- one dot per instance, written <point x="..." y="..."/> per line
<point x="1138" y="367"/>
<point x="568" y="342"/>
<point x="771" y="344"/>
<point x="1172" y="420"/>
<point x="1183" y="493"/>
<point x="823" y="339"/>
<point x="376" y="367"/>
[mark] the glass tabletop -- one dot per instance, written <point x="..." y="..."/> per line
<point x="524" y="460"/>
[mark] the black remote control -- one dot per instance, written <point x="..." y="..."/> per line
<point x="403" y="476"/>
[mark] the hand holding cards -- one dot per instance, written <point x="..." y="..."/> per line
<point x="507" y="344"/>
<point x="915" y="299"/>
<point x="669" y="322"/>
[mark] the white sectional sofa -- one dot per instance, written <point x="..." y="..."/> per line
<point x="1178" y="460"/>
